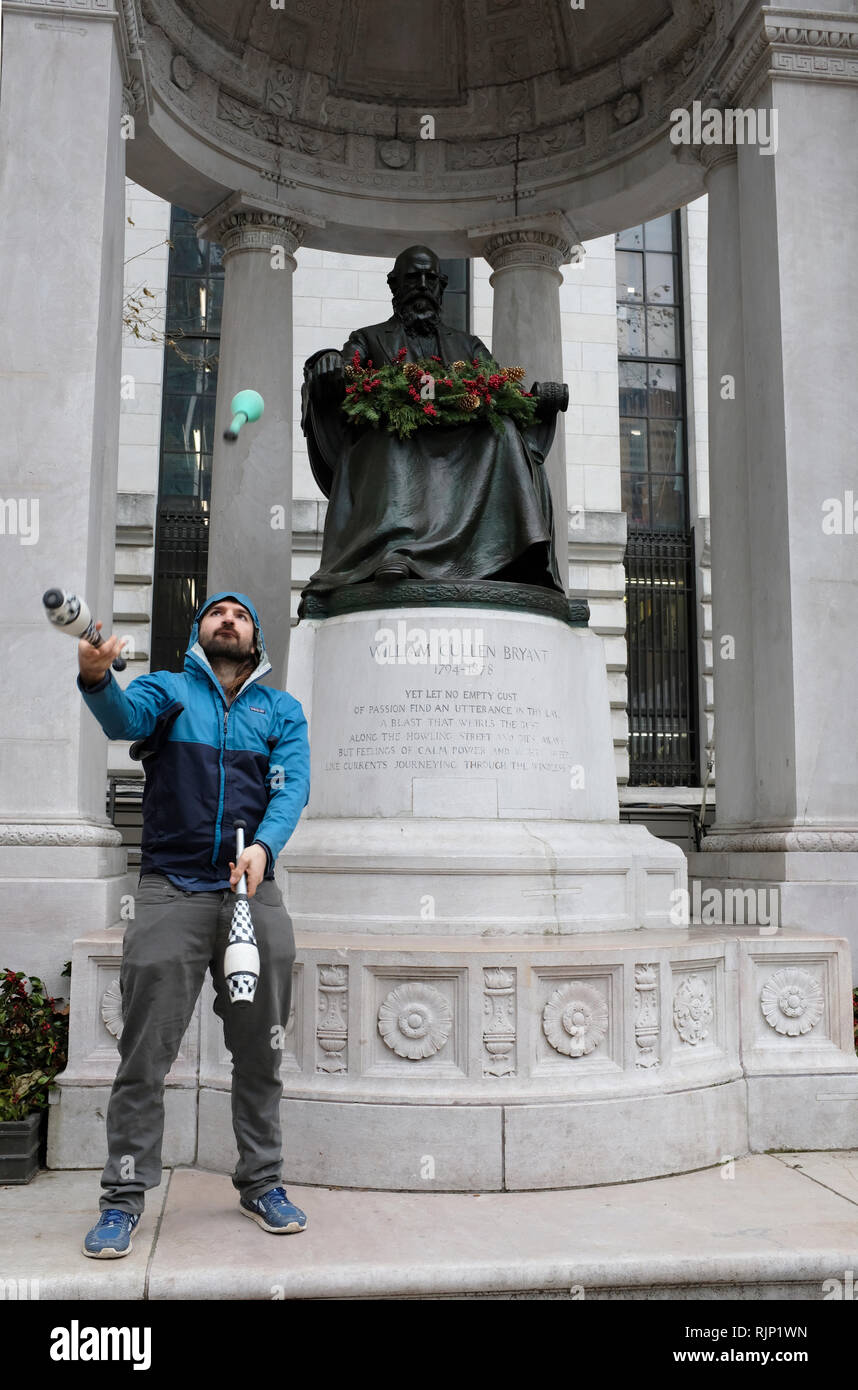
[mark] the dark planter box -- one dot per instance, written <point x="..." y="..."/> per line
<point x="19" y="1147"/>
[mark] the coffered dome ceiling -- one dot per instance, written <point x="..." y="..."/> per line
<point x="369" y="116"/>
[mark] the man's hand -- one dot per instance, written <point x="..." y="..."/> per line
<point x="253" y="863"/>
<point x="94" y="661"/>
<point x="327" y="380"/>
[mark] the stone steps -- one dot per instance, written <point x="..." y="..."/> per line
<point x="768" y="1227"/>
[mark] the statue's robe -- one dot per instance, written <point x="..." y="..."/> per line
<point x="454" y="502"/>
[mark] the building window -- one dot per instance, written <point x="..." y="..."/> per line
<point x="660" y="602"/>
<point x="457" y="296"/>
<point x="194" y="304"/>
<point x="652" y="412"/>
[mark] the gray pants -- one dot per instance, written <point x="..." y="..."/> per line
<point x="175" y="937"/>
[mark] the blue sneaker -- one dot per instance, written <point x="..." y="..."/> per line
<point x="110" y="1237"/>
<point x="274" y="1212"/>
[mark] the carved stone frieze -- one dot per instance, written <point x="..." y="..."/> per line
<point x="520" y="100"/>
<point x="788" y="43"/>
<point x="806" y="841"/>
<point x="46" y="833"/>
<point x="527" y="598"/>
<point x="99" y="7"/>
<point x="557" y="140"/>
<point x="481" y="154"/>
<point x="628" y="108"/>
<point x="182" y="72"/>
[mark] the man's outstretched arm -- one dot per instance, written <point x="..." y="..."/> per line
<point x="130" y="713"/>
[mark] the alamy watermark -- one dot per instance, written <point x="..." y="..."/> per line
<point x="727" y="907"/>
<point x="462" y="647"/>
<point x="14" y="519"/>
<point x="711" y="126"/>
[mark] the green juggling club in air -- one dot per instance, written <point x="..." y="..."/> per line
<point x="246" y="405"/>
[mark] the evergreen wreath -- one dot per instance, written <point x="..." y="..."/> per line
<point x="403" y="396"/>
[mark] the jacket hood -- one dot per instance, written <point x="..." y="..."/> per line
<point x="194" y="650"/>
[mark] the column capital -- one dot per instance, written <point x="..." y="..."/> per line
<point x="545" y="241"/>
<point x="712" y="157"/>
<point x="244" y="223"/>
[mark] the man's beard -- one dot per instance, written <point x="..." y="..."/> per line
<point x="229" y="647"/>
<point x="420" y="320"/>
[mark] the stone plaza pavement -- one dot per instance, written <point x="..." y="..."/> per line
<point x="777" y="1229"/>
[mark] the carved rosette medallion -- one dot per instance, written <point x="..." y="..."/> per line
<point x="332" y="1026"/>
<point x="415" y="1020"/>
<point x="499" y="1022"/>
<point x="575" y="1019"/>
<point x="396" y="154"/>
<point x="111" y="1009"/>
<point x="693" y="1009"/>
<point x="792" y="1001"/>
<point x="646" y="1015"/>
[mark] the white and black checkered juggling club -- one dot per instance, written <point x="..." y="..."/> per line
<point x="71" y="614"/>
<point x="241" y="958"/>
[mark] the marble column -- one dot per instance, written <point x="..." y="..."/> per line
<point x="526" y="258"/>
<point x="731" y="524"/>
<point x="785" y="554"/>
<point x="62" y="192"/>
<point x="250" y="530"/>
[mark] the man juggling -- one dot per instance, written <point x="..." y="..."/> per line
<point x="219" y="749"/>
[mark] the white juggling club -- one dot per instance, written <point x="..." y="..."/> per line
<point x="71" y="614"/>
<point x="241" y="958"/>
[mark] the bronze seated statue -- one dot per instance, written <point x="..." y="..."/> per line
<point x="440" y="515"/>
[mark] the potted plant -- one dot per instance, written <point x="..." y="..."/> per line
<point x="33" y="1048"/>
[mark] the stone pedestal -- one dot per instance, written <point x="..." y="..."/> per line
<point x="491" y="990"/>
<point x="493" y="987"/>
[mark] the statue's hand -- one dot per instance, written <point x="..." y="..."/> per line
<point x="551" y="397"/>
<point x="327" y="380"/>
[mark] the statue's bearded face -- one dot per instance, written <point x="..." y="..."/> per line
<point x="418" y="289"/>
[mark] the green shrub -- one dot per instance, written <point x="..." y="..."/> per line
<point x="34" y="1029"/>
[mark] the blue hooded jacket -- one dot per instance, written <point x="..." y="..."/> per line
<point x="208" y="763"/>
